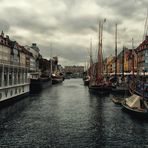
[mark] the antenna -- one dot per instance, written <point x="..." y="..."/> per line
<point x="51" y="50"/>
<point x="91" y="61"/>
<point x="116" y="52"/>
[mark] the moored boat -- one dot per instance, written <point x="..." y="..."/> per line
<point x="100" y="88"/>
<point x="57" y="79"/>
<point x="136" y="106"/>
<point x="86" y="80"/>
<point x="121" y="88"/>
<point x="117" y="100"/>
<point x="119" y="83"/>
<point x="57" y="75"/>
<point x="97" y="82"/>
<point x="36" y="85"/>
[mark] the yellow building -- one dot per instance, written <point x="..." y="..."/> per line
<point x="110" y="64"/>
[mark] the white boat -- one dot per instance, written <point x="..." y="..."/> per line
<point x="57" y="79"/>
<point x="136" y="105"/>
<point x="14" y="81"/>
<point x="57" y="75"/>
<point x="10" y="84"/>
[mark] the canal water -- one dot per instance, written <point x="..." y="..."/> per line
<point x="68" y="116"/>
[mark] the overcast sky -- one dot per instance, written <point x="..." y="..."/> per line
<point x="69" y="25"/>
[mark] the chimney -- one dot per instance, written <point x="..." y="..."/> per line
<point x="2" y="33"/>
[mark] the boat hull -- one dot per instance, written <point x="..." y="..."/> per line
<point x="86" y="83"/>
<point x="122" y="90"/>
<point x="117" y="101"/>
<point x="36" y="85"/>
<point x="134" y="112"/>
<point x="57" y="80"/>
<point x="12" y="100"/>
<point x="100" y="89"/>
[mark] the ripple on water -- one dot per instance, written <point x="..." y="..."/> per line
<point x="67" y="115"/>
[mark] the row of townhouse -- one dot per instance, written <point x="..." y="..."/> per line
<point x="24" y="59"/>
<point x="129" y="59"/>
<point x="19" y="63"/>
<point x="12" y="53"/>
<point x="74" y="70"/>
<point x="47" y="67"/>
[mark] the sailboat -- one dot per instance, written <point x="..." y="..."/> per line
<point x="97" y="83"/>
<point x="86" y="80"/>
<point x="56" y="70"/>
<point x="86" y="77"/>
<point x="57" y="74"/>
<point x="119" y="86"/>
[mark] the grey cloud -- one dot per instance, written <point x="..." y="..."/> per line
<point x="70" y="52"/>
<point x="128" y="9"/>
<point x="41" y="28"/>
<point x="33" y="22"/>
<point x="80" y="25"/>
<point x="29" y="21"/>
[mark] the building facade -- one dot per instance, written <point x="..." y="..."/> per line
<point x="142" y="55"/>
<point x="75" y="70"/>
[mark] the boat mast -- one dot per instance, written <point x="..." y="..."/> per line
<point x="123" y="62"/>
<point x="91" y="61"/>
<point x="133" y="58"/>
<point x="116" y="53"/>
<point x="99" y="46"/>
<point x="100" y="58"/>
<point x="51" y="59"/>
<point x="133" y="65"/>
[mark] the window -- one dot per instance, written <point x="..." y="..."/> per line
<point x="6" y="92"/>
<point x="10" y="76"/>
<point x="19" y="73"/>
<point x="15" y="76"/>
<point x="22" y="75"/>
<point x="19" y="90"/>
<point x="11" y="92"/>
<point x="146" y="52"/>
<point x="5" y="76"/>
<point x="23" y="89"/>
<point x="15" y="90"/>
<point x="0" y="96"/>
<point x="146" y="60"/>
<point x="1" y="72"/>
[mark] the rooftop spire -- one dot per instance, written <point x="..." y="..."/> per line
<point x="2" y="33"/>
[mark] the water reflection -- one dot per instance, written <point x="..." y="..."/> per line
<point x="15" y="108"/>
